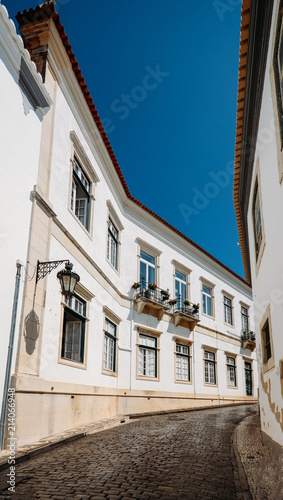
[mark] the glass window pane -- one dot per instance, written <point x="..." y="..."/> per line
<point x="151" y="274"/>
<point x="180" y="276"/>
<point x="142" y="271"/>
<point x="147" y="257"/>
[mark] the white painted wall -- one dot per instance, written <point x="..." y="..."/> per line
<point x="268" y="281"/>
<point x="20" y="129"/>
<point x="137" y="224"/>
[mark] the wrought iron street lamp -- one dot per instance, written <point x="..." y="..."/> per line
<point x="68" y="279"/>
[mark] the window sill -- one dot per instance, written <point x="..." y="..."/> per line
<point x="210" y="385"/>
<point x="114" y="268"/>
<point x="232" y="386"/>
<point x="228" y="325"/>
<point x="186" y="382"/>
<point x="109" y="373"/>
<point x="72" y="364"/>
<point x="268" y="366"/>
<point x="151" y="379"/>
<point x="207" y="316"/>
<point x="80" y="224"/>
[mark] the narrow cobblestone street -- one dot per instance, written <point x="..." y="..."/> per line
<point x="176" y="456"/>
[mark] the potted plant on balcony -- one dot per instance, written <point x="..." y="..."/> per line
<point x="135" y="285"/>
<point x="172" y="302"/>
<point x="195" y="308"/>
<point x="165" y="294"/>
<point x="186" y="303"/>
<point x="152" y="286"/>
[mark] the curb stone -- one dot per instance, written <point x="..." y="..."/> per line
<point x="244" y="492"/>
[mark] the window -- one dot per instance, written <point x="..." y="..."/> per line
<point x="112" y="244"/>
<point x="180" y="285"/>
<point x="265" y="334"/>
<point x="109" y="361"/>
<point x="206" y="300"/>
<point x="257" y="222"/>
<point x="231" y="371"/>
<point x="147" y="267"/>
<point x="267" y="349"/>
<point x="244" y="319"/>
<point x="248" y="378"/>
<point x="183" y="362"/>
<point x="209" y="368"/>
<point x="80" y="199"/>
<point x="147" y="356"/>
<point x="228" y="311"/>
<point x="74" y="329"/>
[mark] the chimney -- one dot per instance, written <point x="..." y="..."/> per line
<point x="34" y="25"/>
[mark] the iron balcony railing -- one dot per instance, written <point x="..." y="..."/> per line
<point x="247" y="335"/>
<point x="151" y="292"/>
<point x="185" y="307"/>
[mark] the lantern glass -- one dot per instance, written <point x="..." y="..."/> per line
<point x="68" y="280"/>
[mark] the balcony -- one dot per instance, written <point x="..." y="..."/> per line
<point x="150" y="299"/>
<point x="185" y="313"/>
<point x="248" y="340"/>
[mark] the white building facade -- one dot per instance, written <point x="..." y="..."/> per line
<point x="156" y="323"/>
<point x="24" y="101"/>
<point x="259" y="196"/>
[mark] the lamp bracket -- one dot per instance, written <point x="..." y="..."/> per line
<point x="44" y="268"/>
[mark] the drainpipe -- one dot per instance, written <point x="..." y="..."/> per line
<point x="10" y="354"/>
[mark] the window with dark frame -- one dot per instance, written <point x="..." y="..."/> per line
<point x="244" y="319"/>
<point x="80" y="199"/>
<point x="147" y="356"/>
<point x="228" y="311"/>
<point x="266" y="344"/>
<point x="112" y="244"/>
<point x="257" y="222"/>
<point x="209" y="367"/>
<point x="278" y="68"/>
<point x="231" y="371"/>
<point x="74" y="329"/>
<point x="109" y="361"/>
<point x="183" y="362"/>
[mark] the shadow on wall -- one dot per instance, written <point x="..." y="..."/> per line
<point x="31" y="332"/>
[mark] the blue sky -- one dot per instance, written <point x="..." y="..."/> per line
<point x="163" y="76"/>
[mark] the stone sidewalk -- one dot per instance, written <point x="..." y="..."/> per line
<point x="262" y="460"/>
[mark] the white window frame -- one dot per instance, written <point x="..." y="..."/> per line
<point x="180" y="268"/>
<point x="207" y="284"/>
<point x="231" y="365"/>
<point x="110" y="347"/>
<point x="113" y="217"/>
<point x="87" y="171"/>
<point x="153" y="252"/>
<point x="208" y="362"/>
<point x="112" y="318"/>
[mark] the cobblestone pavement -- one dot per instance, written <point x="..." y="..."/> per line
<point x="175" y="456"/>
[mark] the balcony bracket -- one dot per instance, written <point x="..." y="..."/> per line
<point x="185" y="320"/>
